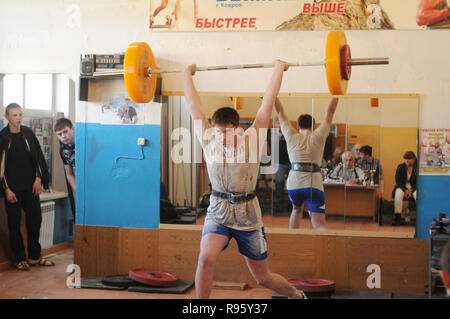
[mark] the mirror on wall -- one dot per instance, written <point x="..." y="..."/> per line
<point x="359" y="188"/>
<point x="360" y="159"/>
<point x="399" y="159"/>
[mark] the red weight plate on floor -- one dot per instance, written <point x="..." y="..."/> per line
<point x="313" y="284"/>
<point x="153" y="277"/>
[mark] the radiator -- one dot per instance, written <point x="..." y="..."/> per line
<point x="47" y="226"/>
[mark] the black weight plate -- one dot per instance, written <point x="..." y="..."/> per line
<point x="118" y="281"/>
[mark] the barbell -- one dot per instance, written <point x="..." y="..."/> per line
<point x="140" y="71"/>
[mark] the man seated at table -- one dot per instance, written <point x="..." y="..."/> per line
<point x="346" y="170"/>
<point x="369" y="163"/>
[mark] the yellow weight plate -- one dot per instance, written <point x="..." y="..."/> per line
<point x="138" y="58"/>
<point x="336" y="83"/>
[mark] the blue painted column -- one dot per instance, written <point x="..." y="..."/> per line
<point x="433" y="198"/>
<point x="113" y="191"/>
<point x="117" y="180"/>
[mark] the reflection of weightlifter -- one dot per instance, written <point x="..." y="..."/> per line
<point x="433" y="13"/>
<point x="305" y="148"/>
<point x="234" y="210"/>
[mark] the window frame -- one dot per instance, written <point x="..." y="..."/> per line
<point x="32" y="112"/>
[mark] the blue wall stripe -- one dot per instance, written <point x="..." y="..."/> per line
<point x="122" y="194"/>
<point x="433" y="198"/>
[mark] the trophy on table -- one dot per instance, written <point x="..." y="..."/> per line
<point x="324" y="172"/>
<point x="372" y="173"/>
<point x="365" y="172"/>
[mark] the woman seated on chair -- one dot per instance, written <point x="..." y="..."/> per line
<point x="406" y="183"/>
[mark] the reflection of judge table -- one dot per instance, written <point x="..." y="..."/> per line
<point x="353" y="200"/>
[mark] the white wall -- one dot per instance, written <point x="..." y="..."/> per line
<point x="50" y="35"/>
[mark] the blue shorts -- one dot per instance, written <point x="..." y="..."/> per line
<point x="314" y="198"/>
<point x="251" y="244"/>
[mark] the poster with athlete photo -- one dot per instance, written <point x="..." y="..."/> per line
<point x="435" y="151"/>
<point x="291" y="15"/>
<point x="43" y="129"/>
<point x="121" y="109"/>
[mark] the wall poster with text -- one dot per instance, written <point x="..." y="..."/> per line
<point x="281" y="15"/>
<point x="435" y="151"/>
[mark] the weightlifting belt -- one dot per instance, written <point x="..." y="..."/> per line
<point x="305" y="167"/>
<point x="234" y="198"/>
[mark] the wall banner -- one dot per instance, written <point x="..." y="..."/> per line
<point x="435" y="151"/>
<point x="283" y="15"/>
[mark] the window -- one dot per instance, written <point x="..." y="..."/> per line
<point x="13" y="89"/>
<point x="30" y="91"/>
<point x="38" y="91"/>
<point x="43" y="98"/>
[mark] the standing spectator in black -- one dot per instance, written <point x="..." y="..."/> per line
<point x="284" y="165"/>
<point x="23" y="170"/>
<point x="66" y="135"/>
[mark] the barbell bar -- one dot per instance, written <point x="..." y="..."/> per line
<point x="361" y="61"/>
<point x="150" y="71"/>
<point x="140" y="71"/>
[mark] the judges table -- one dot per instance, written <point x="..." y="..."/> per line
<point x="353" y="200"/>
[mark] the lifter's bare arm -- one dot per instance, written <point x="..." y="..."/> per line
<point x="191" y="94"/>
<point x="265" y="111"/>
<point x="280" y="111"/>
<point x="331" y="110"/>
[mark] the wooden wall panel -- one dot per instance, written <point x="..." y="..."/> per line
<point x="137" y="248"/>
<point x="403" y="263"/>
<point x="342" y="259"/>
<point x="292" y="254"/>
<point x="331" y="259"/>
<point x="96" y="250"/>
<point x="113" y="250"/>
<point x="178" y="252"/>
